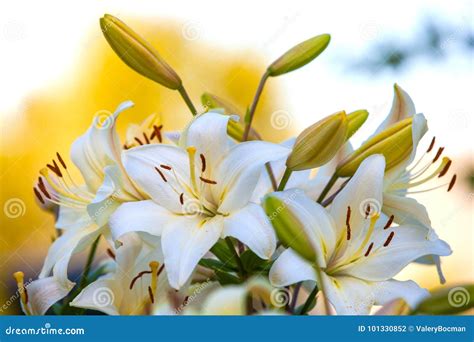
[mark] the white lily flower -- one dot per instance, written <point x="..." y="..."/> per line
<point x="135" y="286"/>
<point x="83" y="209"/>
<point x="200" y="192"/>
<point x="357" y="251"/>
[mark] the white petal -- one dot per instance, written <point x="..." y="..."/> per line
<point x="185" y="240"/>
<point x="289" y="269"/>
<point x="140" y="163"/>
<point x="402" y="108"/>
<point x="43" y="293"/>
<point x="316" y="222"/>
<point x="98" y="147"/>
<point x="230" y="300"/>
<point x="72" y="218"/>
<point x="348" y="295"/>
<point x="409" y="291"/>
<point x="71" y="242"/>
<point x="364" y="188"/>
<point x="142" y="216"/>
<point x="408" y="244"/>
<point x="208" y="133"/>
<point x="101" y="295"/>
<point x="251" y="226"/>
<point x="405" y="210"/>
<point x="237" y="174"/>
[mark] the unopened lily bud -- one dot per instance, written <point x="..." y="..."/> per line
<point x="299" y="55"/>
<point x="290" y="231"/>
<point x="137" y="53"/>
<point x="318" y="143"/>
<point x="210" y="101"/>
<point x="355" y="120"/>
<point x="395" y="144"/>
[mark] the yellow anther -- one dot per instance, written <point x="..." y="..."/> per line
<point x="154" y="276"/>
<point x="192" y="166"/>
<point x="20" y="277"/>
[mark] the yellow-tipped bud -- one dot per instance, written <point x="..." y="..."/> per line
<point x="289" y="229"/>
<point x="137" y="53"/>
<point x="395" y="144"/>
<point x="299" y="55"/>
<point x="355" y="120"/>
<point x="318" y="143"/>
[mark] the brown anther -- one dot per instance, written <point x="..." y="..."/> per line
<point x="55" y="168"/>
<point x="157" y="131"/>
<point x="161" y="174"/>
<point x="125" y="147"/>
<point x="208" y="181"/>
<point x="150" y="293"/>
<point x="162" y="267"/>
<point x="438" y="154"/>
<point x="61" y="160"/>
<point x="389" y="222"/>
<point x="138" y="276"/>
<point x="166" y="167"/>
<point x="390" y="237"/>
<point x="431" y="145"/>
<point x="367" y="211"/>
<point x="38" y="196"/>
<point x="445" y="169"/>
<point x="146" y="138"/>
<point x="42" y="187"/>
<point x="138" y="141"/>
<point x="452" y="182"/>
<point x="348" y="225"/>
<point x="203" y="162"/>
<point x="181" y="198"/>
<point x="369" y="249"/>
<point x="110" y="253"/>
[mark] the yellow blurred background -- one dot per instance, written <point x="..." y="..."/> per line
<point x="39" y="120"/>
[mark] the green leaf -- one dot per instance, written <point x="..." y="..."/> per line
<point x="221" y="251"/>
<point x="216" y="265"/>
<point x="448" y="301"/>
<point x="227" y="278"/>
<point x="251" y="261"/>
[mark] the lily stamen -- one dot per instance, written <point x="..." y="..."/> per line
<point x="203" y="162"/>
<point x="20" y="277"/>
<point x="389" y="239"/>
<point x="161" y="174"/>
<point x="208" y="181"/>
<point x="389" y="222"/>
<point x="438" y="154"/>
<point x="348" y="225"/>
<point x="369" y="249"/>
<point x="192" y="166"/>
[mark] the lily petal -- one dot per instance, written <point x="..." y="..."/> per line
<point x="251" y="226"/>
<point x="208" y="133"/>
<point x="43" y="293"/>
<point x="364" y="189"/>
<point x="238" y="173"/>
<point x="72" y="218"/>
<point x="142" y="216"/>
<point x="405" y="210"/>
<point x="289" y="269"/>
<point x="387" y="291"/>
<point x="140" y="163"/>
<point x="408" y="244"/>
<point x="230" y="300"/>
<point x="185" y="241"/>
<point x="101" y="295"/>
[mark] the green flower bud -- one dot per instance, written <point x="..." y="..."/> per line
<point x="355" y="120"/>
<point x="395" y="143"/>
<point x="318" y="143"/>
<point x="210" y="101"/>
<point x="137" y="53"/>
<point x="299" y="55"/>
<point x="290" y="231"/>
<point x="448" y="301"/>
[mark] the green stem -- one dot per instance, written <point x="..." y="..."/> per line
<point x="230" y="244"/>
<point x="87" y="268"/>
<point x="294" y="299"/>
<point x="186" y="99"/>
<point x="327" y="188"/>
<point x="253" y="107"/>
<point x="284" y="180"/>
<point x="310" y="299"/>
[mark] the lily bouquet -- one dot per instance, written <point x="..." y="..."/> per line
<point x="214" y="220"/>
